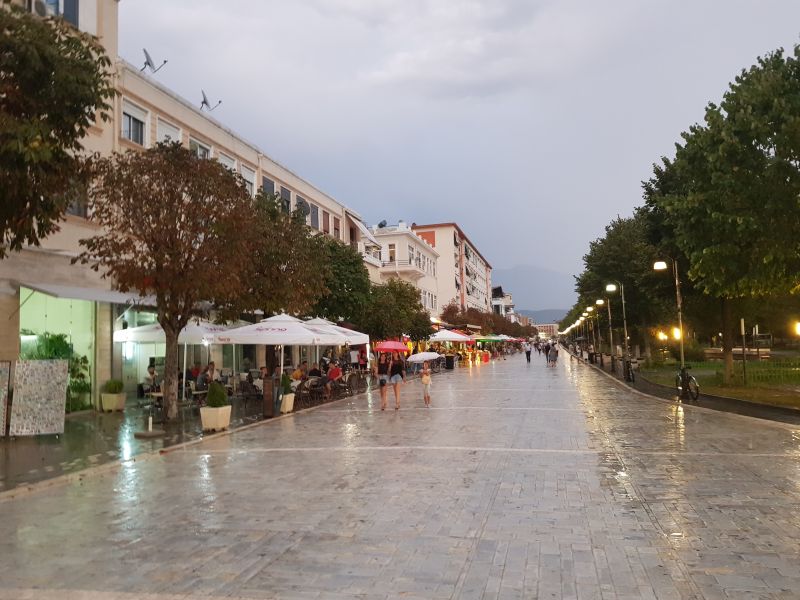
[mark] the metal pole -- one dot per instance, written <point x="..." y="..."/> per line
<point x="610" y="330"/>
<point x="680" y="307"/>
<point x="624" y="319"/>
<point x="744" y="352"/>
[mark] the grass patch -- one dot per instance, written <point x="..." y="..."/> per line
<point x="775" y="386"/>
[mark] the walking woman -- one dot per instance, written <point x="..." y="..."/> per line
<point x="397" y="373"/>
<point x="381" y="370"/>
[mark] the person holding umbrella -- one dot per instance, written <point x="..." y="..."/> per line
<point x="397" y="374"/>
<point x="381" y="371"/>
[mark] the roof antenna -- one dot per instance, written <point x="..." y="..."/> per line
<point x="206" y="103"/>
<point x="149" y="64"/>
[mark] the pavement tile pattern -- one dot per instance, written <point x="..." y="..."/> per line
<point x="520" y="482"/>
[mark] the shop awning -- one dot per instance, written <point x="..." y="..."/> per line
<point x="89" y="293"/>
<point x="365" y="232"/>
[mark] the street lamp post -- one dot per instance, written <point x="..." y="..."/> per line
<point x="612" y="287"/>
<point x="661" y="265"/>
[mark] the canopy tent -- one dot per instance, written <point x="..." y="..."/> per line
<point x="354" y="338"/>
<point x="89" y="293"/>
<point x="280" y="330"/>
<point x="197" y="331"/>
<point x="488" y="338"/>
<point x="446" y="335"/>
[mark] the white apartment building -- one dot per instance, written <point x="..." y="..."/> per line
<point x="464" y="274"/>
<point x="40" y="291"/>
<point x="503" y="304"/>
<point x="406" y="256"/>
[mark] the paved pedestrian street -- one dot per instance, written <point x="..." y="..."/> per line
<point x="520" y="482"/>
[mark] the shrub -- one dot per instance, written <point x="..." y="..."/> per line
<point x="286" y="384"/>
<point x="692" y="351"/>
<point x="113" y="386"/>
<point x="217" y="396"/>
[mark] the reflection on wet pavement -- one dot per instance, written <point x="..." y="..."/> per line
<point x="92" y="439"/>
<point x="520" y="482"/>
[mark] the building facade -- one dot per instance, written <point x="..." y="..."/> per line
<point x="464" y="275"/>
<point x="503" y="304"/>
<point x="42" y="292"/>
<point x="408" y="257"/>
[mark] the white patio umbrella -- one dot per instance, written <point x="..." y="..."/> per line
<point x="446" y="335"/>
<point x="197" y="331"/>
<point x="354" y="338"/>
<point x="280" y="330"/>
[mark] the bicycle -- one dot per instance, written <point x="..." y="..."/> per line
<point x="686" y="384"/>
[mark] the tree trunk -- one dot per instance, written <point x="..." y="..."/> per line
<point x="170" y="386"/>
<point x="728" y="337"/>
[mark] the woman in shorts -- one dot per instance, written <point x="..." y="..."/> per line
<point x="397" y="373"/>
<point x="381" y="372"/>
<point x="426" y="383"/>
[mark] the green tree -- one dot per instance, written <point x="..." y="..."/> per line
<point x="53" y="81"/>
<point x="286" y="268"/>
<point x="171" y="226"/>
<point x="394" y="309"/>
<point x="347" y="284"/>
<point x="731" y="193"/>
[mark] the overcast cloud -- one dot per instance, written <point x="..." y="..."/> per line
<point x="530" y="123"/>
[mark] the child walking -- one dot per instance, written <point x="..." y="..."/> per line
<point x="426" y="383"/>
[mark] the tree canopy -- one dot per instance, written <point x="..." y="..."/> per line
<point x="347" y="285"/>
<point x="170" y="227"/>
<point x="54" y="84"/>
<point x="394" y="309"/>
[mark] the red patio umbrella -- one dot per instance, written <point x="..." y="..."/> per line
<point x="390" y="346"/>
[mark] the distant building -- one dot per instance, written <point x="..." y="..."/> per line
<point x="523" y="320"/>
<point x="503" y="304"/>
<point x="464" y="274"/>
<point x="547" y="329"/>
<point x="405" y="255"/>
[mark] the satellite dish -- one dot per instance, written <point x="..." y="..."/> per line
<point x="149" y="63"/>
<point x="206" y="103"/>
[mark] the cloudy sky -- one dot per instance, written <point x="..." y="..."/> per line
<point x="529" y="122"/>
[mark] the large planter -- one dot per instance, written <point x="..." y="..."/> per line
<point x="111" y="402"/>
<point x="287" y="404"/>
<point x="215" y="419"/>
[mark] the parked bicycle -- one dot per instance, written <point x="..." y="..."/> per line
<point x="686" y="384"/>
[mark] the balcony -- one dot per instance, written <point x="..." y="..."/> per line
<point x="403" y="269"/>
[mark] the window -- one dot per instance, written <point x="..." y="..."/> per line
<point x="249" y="176"/>
<point x="68" y="9"/>
<point x="392" y="253"/>
<point x="326" y="222"/>
<point x="227" y="161"/>
<point x="166" y="132"/>
<point x="199" y="148"/>
<point x="352" y="235"/>
<point x="268" y="186"/>
<point x="286" y="200"/>
<point x="133" y="123"/>
<point x="337" y="224"/>
<point x="315" y="216"/>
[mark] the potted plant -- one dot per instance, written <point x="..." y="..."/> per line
<point x="216" y="414"/>
<point x="113" y="398"/>
<point x="287" y="402"/>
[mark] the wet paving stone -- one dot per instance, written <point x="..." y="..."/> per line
<point x="520" y="482"/>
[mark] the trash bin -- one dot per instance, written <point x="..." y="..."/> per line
<point x="449" y="362"/>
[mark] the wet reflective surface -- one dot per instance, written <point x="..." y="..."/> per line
<point x="520" y="482"/>
<point x="91" y="439"/>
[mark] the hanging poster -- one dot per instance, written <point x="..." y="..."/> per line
<point x="5" y="380"/>
<point x="40" y="397"/>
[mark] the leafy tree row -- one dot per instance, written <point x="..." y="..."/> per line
<point x="726" y="207"/>
<point x="489" y="322"/>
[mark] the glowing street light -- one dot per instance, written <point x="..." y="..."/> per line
<point x="676" y="333"/>
<point x="661" y="265"/>
<point x="611" y="288"/>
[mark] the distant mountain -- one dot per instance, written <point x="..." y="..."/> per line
<point x="535" y="288"/>
<point x="548" y="315"/>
